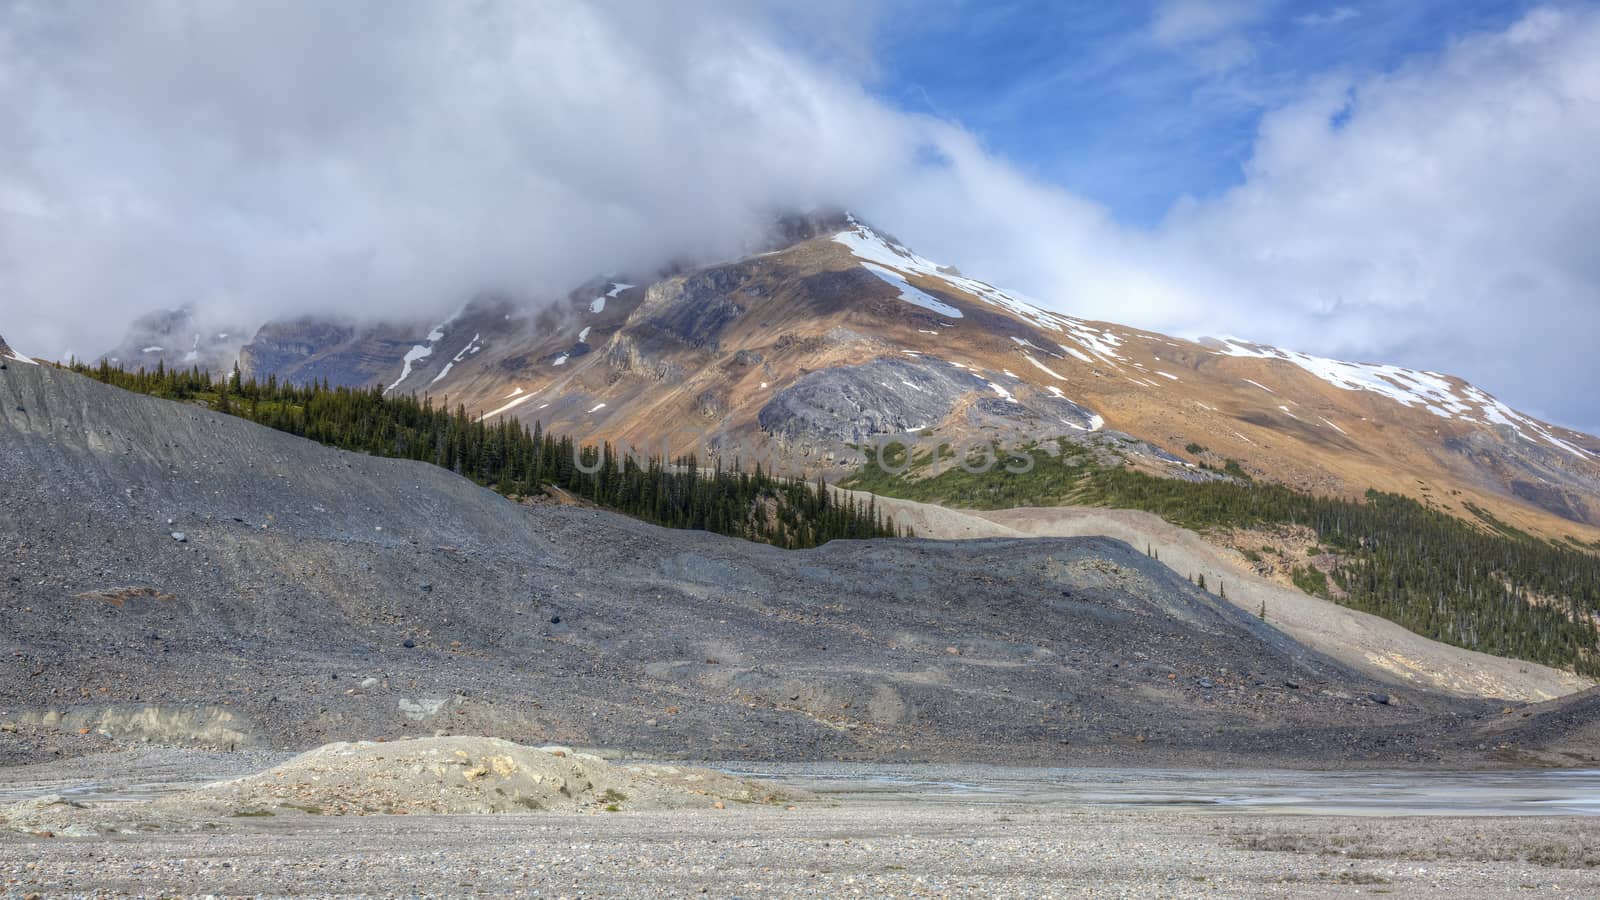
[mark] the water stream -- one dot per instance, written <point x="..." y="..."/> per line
<point x="1389" y="793"/>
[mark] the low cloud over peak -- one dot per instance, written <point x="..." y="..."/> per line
<point x="391" y="160"/>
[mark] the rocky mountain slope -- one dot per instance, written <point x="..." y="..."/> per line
<point x="178" y="338"/>
<point x="844" y="337"/>
<point x="177" y="575"/>
<point x="1358" y="639"/>
<point x="8" y="355"/>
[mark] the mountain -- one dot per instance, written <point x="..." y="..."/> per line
<point x="841" y="336"/>
<point x="8" y="354"/>
<point x="181" y="576"/>
<point x="177" y="338"/>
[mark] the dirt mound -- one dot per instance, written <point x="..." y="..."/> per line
<point x="423" y="776"/>
<point x="470" y="775"/>
<point x="1565" y="732"/>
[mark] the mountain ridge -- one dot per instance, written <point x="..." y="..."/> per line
<point x="800" y="353"/>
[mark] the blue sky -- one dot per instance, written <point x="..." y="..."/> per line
<point x="1086" y="95"/>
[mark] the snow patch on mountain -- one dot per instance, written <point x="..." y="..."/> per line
<point x="1431" y="391"/>
<point x="6" y="352"/>
<point x="875" y="249"/>
<point x="1043" y="368"/>
<point x="910" y="293"/>
<point x="472" y="347"/>
<point x="419" y="352"/>
<point x="512" y="405"/>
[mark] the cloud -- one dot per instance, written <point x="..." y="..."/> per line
<point x="1209" y="32"/>
<point x="1441" y="214"/>
<point x="1179" y="22"/>
<point x="1324" y="19"/>
<point x="391" y="158"/>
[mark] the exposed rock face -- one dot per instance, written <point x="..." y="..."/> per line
<point x="309" y="349"/>
<point x="178" y="338"/>
<point x="857" y="403"/>
<point x="623" y="355"/>
<point x="284" y="349"/>
<point x="893" y="396"/>
<point x="695" y="309"/>
<point x="1541" y="475"/>
<point x="405" y="357"/>
<point x="794" y="228"/>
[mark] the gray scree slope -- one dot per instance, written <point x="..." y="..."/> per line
<point x="283" y="619"/>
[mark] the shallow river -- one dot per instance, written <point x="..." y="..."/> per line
<point x="1365" y="793"/>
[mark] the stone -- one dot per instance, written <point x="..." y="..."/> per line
<point x="180" y="537"/>
<point x="1380" y="699"/>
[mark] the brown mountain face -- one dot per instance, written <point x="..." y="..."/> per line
<point x="844" y="337"/>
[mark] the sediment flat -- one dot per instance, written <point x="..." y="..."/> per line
<point x="899" y="849"/>
<point x="908" y="831"/>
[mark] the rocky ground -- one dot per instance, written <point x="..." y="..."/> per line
<point x="137" y="824"/>
<point x="900" y="848"/>
<point x="174" y="576"/>
<point x="1360" y="640"/>
<point x="169" y="577"/>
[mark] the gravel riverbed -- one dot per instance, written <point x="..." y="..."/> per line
<point x="906" y="831"/>
<point x="898" y="849"/>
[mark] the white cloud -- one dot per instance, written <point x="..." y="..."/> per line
<point x="1443" y="215"/>
<point x="1208" y="32"/>
<point x="393" y="158"/>
<point x="1179" y="22"/>
<point x="264" y="159"/>
<point x="1324" y="19"/>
